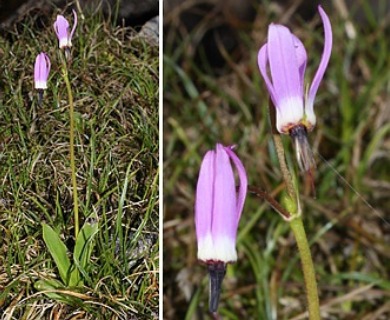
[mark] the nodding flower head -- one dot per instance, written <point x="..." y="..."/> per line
<point x="282" y="63"/>
<point x="62" y="30"/>
<point x="218" y="205"/>
<point x="41" y="70"/>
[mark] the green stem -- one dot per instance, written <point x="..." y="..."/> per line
<point x="308" y="268"/>
<point x="300" y="235"/>
<point x="71" y="146"/>
<point x="283" y="167"/>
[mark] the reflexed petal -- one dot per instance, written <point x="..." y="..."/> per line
<point x="324" y="61"/>
<point x="61" y="27"/>
<point x="48" y="65"/>
<point x="283" y="65"/>
<point x="204" y="196"/>
<point x="217" y="209"/>
<point x="300" y="52"/>
<point x="224" y="214"/>
<point x="42" y="67"/>
<point x="243" y="181"/>
<point x="41" y="71"/>
<point x="36" y="68"/>
<point x="74" y="25"/>
<point x="262" y="61"/>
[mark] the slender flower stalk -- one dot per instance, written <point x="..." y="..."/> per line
<point x="218" y="209"/>
<point x="71" y="146"/>
<point x="64" y="34"/>
<point x="313" y="302"/>
<point x="296" y="224"/>
<point x="282" y="63"/>
<point x="41" y="74"/>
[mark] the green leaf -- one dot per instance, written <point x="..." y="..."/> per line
<point x="58" y="251"/>
<point x="55" y="285"/>
<point x="84" y="244"/>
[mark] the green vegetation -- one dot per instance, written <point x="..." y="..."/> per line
<point x="114" y="82"/>
<point x="347" y="223"/>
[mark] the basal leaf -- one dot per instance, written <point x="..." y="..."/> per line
<point x="58" y="251"/>
<point x="51" y="288"/>
<point x="84" y="244"/>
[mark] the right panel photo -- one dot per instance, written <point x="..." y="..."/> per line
<point x="276" y="144"/>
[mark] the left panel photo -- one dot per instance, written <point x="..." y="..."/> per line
<point x="79" y="160"/>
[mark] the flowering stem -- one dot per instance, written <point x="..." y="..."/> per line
<point x="300" y="236"/>
<point x="283" y="167"/>
<point x="71" y="145"/>
<point x="308" y="268"/>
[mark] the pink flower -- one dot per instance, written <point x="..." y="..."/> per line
<point x="41" y="70"/>
<point x="218" y="205"/>
<point x="282" y="63"/>
<point x="61" y="27"/>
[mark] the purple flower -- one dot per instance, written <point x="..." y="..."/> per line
<point x="218" y="205"/>
<point x="282" y="63"/>
<point x="61" y="27"/>
<point x="41" y="70"/>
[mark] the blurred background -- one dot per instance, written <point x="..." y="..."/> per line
<point x="132" y="12"/>
<point x="213" y="93"/>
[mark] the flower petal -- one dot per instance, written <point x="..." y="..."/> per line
<point x="48" y="66"/>
<point x="283" y="65"/>
<point x="204" y="196"/>
<point x="324" y="61"/>
<point x="262" y="61"/>
<point x="41" y="71"/>
<point x="61" y="27"/>
<point x="225" y="220"/>
<point x="301" y="55"/>
<point x="243" y="181"/>
<point x="37" y="67"/>
<point x="74" y="26"/>
<point x="217" y="210"/>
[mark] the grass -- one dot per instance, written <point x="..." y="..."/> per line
<point x="347" y="223"/>
<point x="114" y="79"/>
